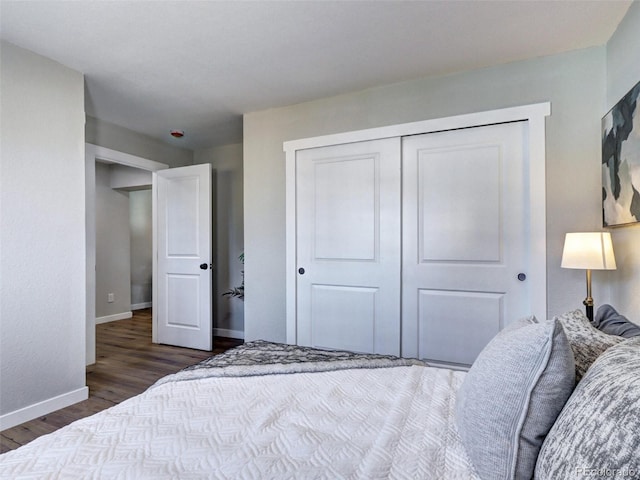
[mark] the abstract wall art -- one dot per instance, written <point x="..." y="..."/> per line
<point x="621" y="161"/>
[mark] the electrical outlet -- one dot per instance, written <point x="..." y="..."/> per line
<point x="110" y="297"/>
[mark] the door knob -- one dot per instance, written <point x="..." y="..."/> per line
<point x="522" y="277"/>
<point x="204" y="266"/>
<point x="301" y="271"/>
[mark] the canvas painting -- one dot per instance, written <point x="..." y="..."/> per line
<point x="621" y="161"/>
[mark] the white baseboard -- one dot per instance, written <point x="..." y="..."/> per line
<point x="140" y="306"/>
<point x="11" y="419"/>
<point x="223" y="332"/>
<point x="114" y="317"/>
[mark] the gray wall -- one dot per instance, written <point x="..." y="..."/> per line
<point x="229" y="237"/>
<point x="575" y="85"/>
<point x="623" y="72"/>
<point x="42" y="233"/>
<point x="108" y="135"/>
<point x="113" y="253"/>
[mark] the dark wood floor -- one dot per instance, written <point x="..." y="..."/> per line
<point x="127" y="363"/>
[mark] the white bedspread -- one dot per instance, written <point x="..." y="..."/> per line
<point x="348" y="424"/>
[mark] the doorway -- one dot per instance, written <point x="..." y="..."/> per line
<point x="123" y="241"/>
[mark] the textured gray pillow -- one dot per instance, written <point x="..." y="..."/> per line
<point x="597" y="433"/>
<point x="587" y="342"/>
<point x="511" y="397"/>
<point x="608" y="320"/>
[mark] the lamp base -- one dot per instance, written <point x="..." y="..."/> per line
<point x="588" y="303"/>
<point x="589" y="310"/>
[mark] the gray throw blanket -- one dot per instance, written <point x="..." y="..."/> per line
<point x="260" y="357"/>
<point x="608" y="320"/>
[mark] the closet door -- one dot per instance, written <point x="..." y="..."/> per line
<point x="465" y="241"/>
<point x="348" y="246"/>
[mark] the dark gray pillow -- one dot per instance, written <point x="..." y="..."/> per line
<point x="596" y="434"/>
<point x="611" y="322"/>
<point x="587" y="342"/>
<point x="511" y="396"/>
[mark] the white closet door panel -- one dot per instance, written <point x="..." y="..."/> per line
<point x="348" y="310"/>
<point x="465" y="220"/>
<point x="445" y="315"/>
<point x="346" y="209"/>
<point x="452" y="205"/>
<point x="348" y="246"/>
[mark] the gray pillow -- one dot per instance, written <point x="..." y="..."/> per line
<point x="519" y="323"/>
<point x="587" y="342"/>
<point x="608" y="320"/>
<point x="511" y="396"/>
<point x="596" y="434"/>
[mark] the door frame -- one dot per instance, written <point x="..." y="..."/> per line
<point x="533" y="114"/>
<point x="95" y="153"/>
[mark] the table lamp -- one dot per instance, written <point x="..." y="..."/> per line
<point x="588" y="251"/>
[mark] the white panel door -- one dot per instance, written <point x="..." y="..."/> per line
<point x="183" y="216"/>
<point x="465" y="239"/>
<point x="348" y="246"/>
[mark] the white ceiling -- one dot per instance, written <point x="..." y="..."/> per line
<point x="152" y="66"/>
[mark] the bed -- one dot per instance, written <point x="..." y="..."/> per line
<point x="268" y="410"/>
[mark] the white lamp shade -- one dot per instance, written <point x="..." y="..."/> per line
<point x="588" y="251"/>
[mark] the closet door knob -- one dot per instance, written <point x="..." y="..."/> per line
<point x="204" y="266"/>
<point x="522" y="277"/>
<point x="301" y="271"/>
